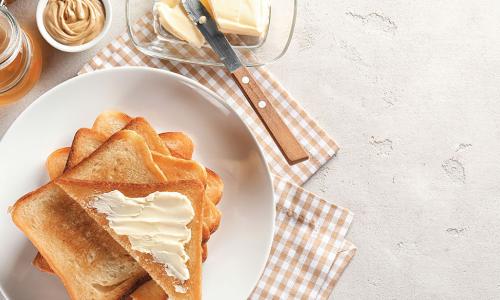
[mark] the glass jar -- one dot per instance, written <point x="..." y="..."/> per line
<point x="20" y="59"/>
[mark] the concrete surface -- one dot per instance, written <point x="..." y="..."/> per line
<point x="410" y="90"/>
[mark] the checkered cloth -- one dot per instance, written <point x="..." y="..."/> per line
<point x="309" y="251"/>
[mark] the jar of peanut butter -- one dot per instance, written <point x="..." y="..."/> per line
<point x="20" y="59"/>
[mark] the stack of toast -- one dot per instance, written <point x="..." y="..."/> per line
<point x="76" y="243"/>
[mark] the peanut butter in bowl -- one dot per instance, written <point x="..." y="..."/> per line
<point x="74" y="22"/>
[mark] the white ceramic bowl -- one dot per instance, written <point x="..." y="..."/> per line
<point x="67" y="48"/>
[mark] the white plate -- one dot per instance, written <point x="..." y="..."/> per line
<point x="237" y="251"/>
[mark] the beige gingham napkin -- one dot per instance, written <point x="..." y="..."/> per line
<point x="309" y="251"/>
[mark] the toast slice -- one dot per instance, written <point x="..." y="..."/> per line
<point x="56" y="162"/>
<point x="215" y="186"/>
<point x="77" y="275"/>
<point x="143" y="128"/>
<point x="179" y="144"/>
<point x="148" y="291"/>
<point x="84" y="192"/>
<point x="87" y="140"/>
<point x="173" y="168"/>
<point x="88" y="261"/>
<point x="123" y="155"/>
<point x="213" y="195"/>
<point x="84" y="143"/>
<point x="211" y="217"/>
<point x="182" y="169"/>
<point x="41" y="264"/>
<point x="110" y="122"/>
<point x="204" y="252"/>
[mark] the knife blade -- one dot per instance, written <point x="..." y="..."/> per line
<point x="289" y="146"/>
<point x="216" y="39"/>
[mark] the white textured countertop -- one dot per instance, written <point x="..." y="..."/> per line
<point x="411" y="92"/>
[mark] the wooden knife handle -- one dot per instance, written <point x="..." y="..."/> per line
<point x="291" y="149"/>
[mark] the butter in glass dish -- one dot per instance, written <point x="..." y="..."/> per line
<point x="148" y="34"/>
<point x="239" y="17"/>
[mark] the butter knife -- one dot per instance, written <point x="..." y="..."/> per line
<point x="291" y="149"/>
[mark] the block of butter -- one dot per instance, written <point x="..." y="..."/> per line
<point x="244" y="17"/>
<point x="173" y="18"/>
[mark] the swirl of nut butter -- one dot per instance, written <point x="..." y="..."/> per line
<point x="74" y="22"/>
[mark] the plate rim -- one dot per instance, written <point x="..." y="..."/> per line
<point x="176" y="77"/>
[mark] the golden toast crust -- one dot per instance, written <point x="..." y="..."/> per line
<point x="43" y="215"/>
<point x="56" y="162"/>
<point x="148" y="291"/>
<point x="213" y="191"/>
<point x="83" y="192"/>
<point x="110" y="122"/>
<point x="84" y="143"/>
<point x="103" y="164"/>
<point x="144" y="129"/>
<point x="179" y="144"/>
<point x="116" y="164"/>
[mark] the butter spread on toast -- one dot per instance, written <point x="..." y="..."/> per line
<point x="155" y="224"/>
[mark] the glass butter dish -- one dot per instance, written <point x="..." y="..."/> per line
<point x="150" y="38"/>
